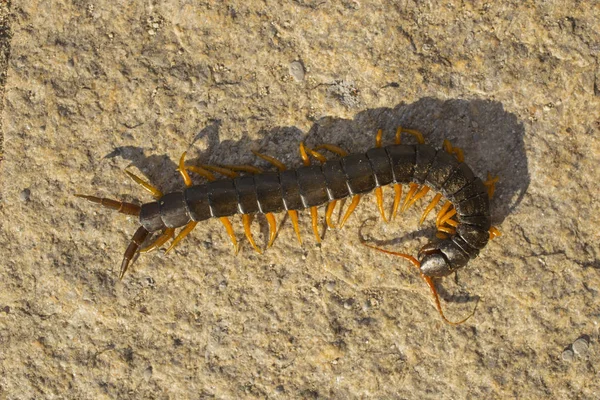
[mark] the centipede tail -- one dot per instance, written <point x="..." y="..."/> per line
<point x="136" y="241"/>
<point x="463" y="221"/>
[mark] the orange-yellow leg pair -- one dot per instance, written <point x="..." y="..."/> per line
<point x="415" y="192"/>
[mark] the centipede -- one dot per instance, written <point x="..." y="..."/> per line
<point x="463" y="222"/>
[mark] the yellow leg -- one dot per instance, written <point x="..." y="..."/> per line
<point x="303" y="154"/>
<point x="223" y="171"/>
<point x="447" y="146"/>
<point x="379" y="197"/>
<point x="494" y="232"/>
<point x="491" y="184"/>
<point x="315" y="223"/>
<point x="447" y="216"/>
<point x="320" y="157"/>
<point x="250" y="169"/>
<point x="460" y="156"/>
<point x="378" y="138"/>
<point x="184" y="232"/>
<point x="454" y="150"/>
<point x="202" y="172"/>
<point x="294" y="217"/>
<point x="333" y="148"/>
<point x="313" y="210"/>
<point x="329" y="213"/>
<point x="227" y="224"/>
<point x="419" y="195"/>
<point x="451" y="222"/>
<point x="247" y="221"/>
<point x="398" y="135"/>
<point x="350" y="210"/>
<point x="397" y="197"/>
<point x="442" y="212"/>
<point x="272" y="228"/>
<point x="280" y="166"/>
<point x="430" y="207"/>
<point x="157" y="194"/>
<point x="186" y="177"/>
<point x="379" y="190"/>
<point x="162" y="239"/>
<point x="448" y="230"/>
<point x="411" y="192"/>
<point x="416" y="134"/>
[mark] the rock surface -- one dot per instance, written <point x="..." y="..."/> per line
<point x="93" y="89"/>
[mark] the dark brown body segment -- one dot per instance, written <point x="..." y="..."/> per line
<point x="268" y="193"/>
<point x="290" y="190"/>
<point x="359" y="174"/>
<point x="246" y="194"/>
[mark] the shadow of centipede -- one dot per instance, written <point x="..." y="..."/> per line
<point x="492" y="140"/>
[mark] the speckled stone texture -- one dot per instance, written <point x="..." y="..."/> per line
<point x="94" y="88"/>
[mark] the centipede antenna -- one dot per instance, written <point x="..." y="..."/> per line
<point x="119" y="206"/>
<point x="438" y="305"/>
<point x="136" y="241"/>
<point x="428" y="280"/>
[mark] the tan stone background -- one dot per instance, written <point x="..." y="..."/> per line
<point x="93" y="88"/>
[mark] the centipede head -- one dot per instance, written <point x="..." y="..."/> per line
<point x="433" y="262"/>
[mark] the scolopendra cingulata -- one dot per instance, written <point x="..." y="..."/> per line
<point x="419" y="165"/>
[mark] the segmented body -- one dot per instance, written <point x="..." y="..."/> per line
<point x="315" y="185"/>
